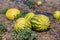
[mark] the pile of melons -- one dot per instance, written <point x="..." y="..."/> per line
<point x="38" y="22"/>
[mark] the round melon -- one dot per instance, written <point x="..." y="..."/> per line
<point x="40" y="22"/>
<point x="21" y="23"/>
<point x="56" y="14"/>
<point x="39" y="3"/>
<point x="12" y="13"/>
<point x="29" y="16"/>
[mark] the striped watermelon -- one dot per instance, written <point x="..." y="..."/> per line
<point x="21" y="23"/>
<point x="29" y="16"/>
<point x="40" y="22"/>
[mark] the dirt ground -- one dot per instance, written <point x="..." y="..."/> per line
<point x="48" y="6"/>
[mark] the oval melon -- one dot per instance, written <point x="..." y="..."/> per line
<point x="21" y="23"/>
<point x="12" y="13"/>
<point x="40" y="22"/>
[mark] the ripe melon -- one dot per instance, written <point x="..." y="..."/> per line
<point x="29" y="16"/>
<point x="40" y="22"/>
<point x="21" y="23"/>
<point x="12" y="13"/>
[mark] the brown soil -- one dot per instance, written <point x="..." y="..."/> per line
<point x="48" y="6"/>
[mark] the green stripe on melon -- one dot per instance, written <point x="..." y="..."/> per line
<point x="40" y="22"/>
<point x="21" y="23"/>
<point x="29" y="16"/>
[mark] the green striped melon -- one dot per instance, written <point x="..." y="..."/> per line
<point x="40" y="22"/>
<point x="29" y="16"/>
<point x="21" y="23"/>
